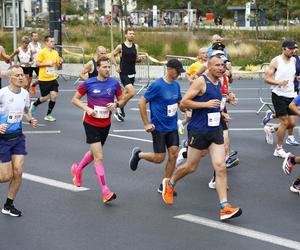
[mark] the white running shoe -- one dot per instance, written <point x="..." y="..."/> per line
<point x="180" y="158"/>
<point x="280" y="152"/>
<point x="180" y="127"/>
<point x="292" y="141"/>
<point x="269" y="134"/>
<point x="212" y="183"/>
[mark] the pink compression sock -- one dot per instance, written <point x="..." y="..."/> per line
<point x="100" y="172"/>
<point x="87" y="158"/>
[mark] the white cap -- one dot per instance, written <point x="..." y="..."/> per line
<point x="219" y="53"/>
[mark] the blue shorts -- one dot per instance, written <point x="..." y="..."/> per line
<point x="9" y="147"/>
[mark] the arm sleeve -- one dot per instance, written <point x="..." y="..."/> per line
<point x="151" y="92"/>
<point x="82" y="89"/>
<point x="297" y="100"/>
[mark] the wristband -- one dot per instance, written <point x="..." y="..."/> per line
<point x="30" y="121"/>
<point x="117" y="104"/>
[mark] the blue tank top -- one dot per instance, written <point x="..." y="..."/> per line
<point x="201" y="119"/>
<point x="95" y="72"/>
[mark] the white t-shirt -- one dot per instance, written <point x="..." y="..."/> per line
<point x="35" y="49"/>
<point x="12" y="107"/>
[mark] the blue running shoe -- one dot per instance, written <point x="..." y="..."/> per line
<point x="32" y="109"/>
<point x="267" y="117"/>
<point x="292" y="141"/>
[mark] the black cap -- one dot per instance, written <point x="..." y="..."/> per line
<point x="218" y="46"/>
<point x="289" y="44"/>
<point x="175" y="64"/>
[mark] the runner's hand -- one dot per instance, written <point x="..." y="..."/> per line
<point x="111" y="106"/>
<point x="283" y="83"/>
<point x="226" y="117"/>
<point x="215" y="103"/>
<point x="118" y="68"/>
<point x="149" y="127"/>
<point x="3" y="128"/>
<point x="34" y="122"/>
<point x="90" y="112"/>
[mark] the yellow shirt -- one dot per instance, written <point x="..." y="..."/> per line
<point x="47" y="73"/>
<point x="193" y="68"/>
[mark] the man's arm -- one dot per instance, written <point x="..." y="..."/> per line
<point x="33" y="122"/>
<point x="76" y="100"/>
<point x="270" y="72"/>
<point x="116" y="52"/>
<point x="294" y="108"/>
<point x="143" y="112"/>
<point x="3" y="55"/>
<point x="87" y="69"/>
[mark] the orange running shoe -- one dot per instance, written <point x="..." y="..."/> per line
<point x="168" y="192"/>
<point x="111" y="196"/>
<point x="33" y="90"/>
<point x="229" y="212"/>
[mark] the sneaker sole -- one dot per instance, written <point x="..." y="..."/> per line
<point x="283" y="166"/>
<point x="118" y="118"/>
<point x="230" y="216"/>
<point x="9" y="213"/>
<point x="294" y="190"/>
<point x="130" y="159"/>
<point x="112" y="197"/>
<point x="164" y="191"/>
<point x="160" y="192"/>
<point x="74" y="177"/>
<point x="292" y="144"/>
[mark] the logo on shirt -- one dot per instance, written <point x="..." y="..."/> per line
<point x="96" y="91"/>
<point x="108" y="91"/>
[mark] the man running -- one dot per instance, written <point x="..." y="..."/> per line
<point x="163" y="97"/>
<point x="100" y="91"/>
<point x="205" y="135"/>
<point x="201" y="58"/>
<point x="35" y="48"/>
<point x="12" y="140"/>
<point x="48" y="61"/>
<point x="129" y="56"/>
<point x="90" y="68"/>
<point x="281" y="75"/>
<point x="216" y="39"/>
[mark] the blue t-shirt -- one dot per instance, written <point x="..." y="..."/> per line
<point x="163" y="98"/>
<point x="297" y="100"/>
<point x="210" y="51"/>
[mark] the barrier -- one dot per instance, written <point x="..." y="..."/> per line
<point x="185" y="60"/>
<point x="73" y="62"/>
<point x="264" y="93"/>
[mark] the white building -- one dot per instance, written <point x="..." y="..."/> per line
<point x="131" y="5"/>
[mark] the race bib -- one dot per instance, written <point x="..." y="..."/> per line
<point x="50" y="71"/>
<point x="14" y="117"/>
<point x="214" y="119"/>
<point x="101" y="112"/>
<point x="172" y="109"/>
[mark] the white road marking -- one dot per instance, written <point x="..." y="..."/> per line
<point x="143" y="130"/>
<point x="128" y="130"/>
<point x="43" y="132"/>
<point x="229" y="111"/>
<point x="39" y="124"/>
<point x="130" y="138"/>
<point x="240" y="231"/>
<point x="53" y="183"/>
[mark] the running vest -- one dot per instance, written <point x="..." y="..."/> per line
<point x="285" y="71"/>
<point x="95" y="72"/>
<point x="35" y="49"/>
<point x="24" y="57"/>
<point x="128" y="59"/>
<point x="206" y="119"/>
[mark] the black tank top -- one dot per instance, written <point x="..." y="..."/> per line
<point x="128" y="59"/>
<point x="95" y="72"/>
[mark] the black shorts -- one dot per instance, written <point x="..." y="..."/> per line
<point x="281" y="105"/>
<point x="35" y="69"/>
<point x="47" y="86"/>
<point x="95" y="134"/>
<point x="26" y="70"/>
<point x="161" y="140"/>
<point x="125" y="80"/>
<point x="202" y="140"/>
<point x="223" y="123"/>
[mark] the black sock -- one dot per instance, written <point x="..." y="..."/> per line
<point x="37" y="102"/>
<point x="297" y="181"/>
<point x="50" y="107"/>
<point x="293" y="160"/>
<point x="0" y="83"/>
<point x="8" y="202"/>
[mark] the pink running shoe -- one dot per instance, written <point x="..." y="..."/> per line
<point x="77" y="180"/>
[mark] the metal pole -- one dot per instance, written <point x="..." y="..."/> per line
<point x="111" y="28"/>
<point x="189" y="15"/>
<point x="14" y="25"/>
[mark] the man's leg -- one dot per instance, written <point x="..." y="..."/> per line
<point x="172" y="156"/>
<point x="291" y="138"/>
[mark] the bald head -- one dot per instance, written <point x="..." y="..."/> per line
<point x="202" y="54"/>
<point x="100" y="51"/>
<point x="216" y="38"/>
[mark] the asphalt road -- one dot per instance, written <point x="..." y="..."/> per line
<point x="58" y="218"/>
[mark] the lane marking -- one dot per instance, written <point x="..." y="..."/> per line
<point x="43" y="132"/>
<point x="240" y="231"/>
<point x="143" y="130"/>
<point x="53" y="183"/>
<point x="39" y="124"/>
<point x="229" y="110"/>
<point x="130" y="138"/>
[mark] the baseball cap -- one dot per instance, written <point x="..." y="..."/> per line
<point x="218" y="46"/>
<point x="221" y="54"/>
<point x="289" y="44"/>
<point x="175" y="64"/>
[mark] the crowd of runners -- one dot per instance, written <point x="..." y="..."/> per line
<point x="203" y="109"/>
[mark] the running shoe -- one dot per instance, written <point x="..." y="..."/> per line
<point x="168" y="191"/>
<point x="118" y="115"/>
<point x="295" y="188"/>
<point x="279" y="152"/>
<point x="287" y="165"/>
<point x="267" y="117"/>
<point x="11" y="210"/>
<point x="134" y="158"/>
<point x="182" y="154"/>
<point x="49" y="118"/>
<point x="292" y="141"/>
<point x="122" y="113"/>
<point x="269" y="134"/>
<point x="180" y="127"/>
<point x="111" y="196"/>
<point x="212" y="183"/>
<point x="160" y="190"/>
<point x="32" y="109"/>
<point x="229" y="212"/>
<point x="33" y="89"/>
<point x="232" y="162"/>
<point x="77" y="179"/>
<point x="233" y="153"/>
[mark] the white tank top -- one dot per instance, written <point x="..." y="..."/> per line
<point x="24" y="57"/>
<point x="285" y="71"/>
<point x="35" y="48"/>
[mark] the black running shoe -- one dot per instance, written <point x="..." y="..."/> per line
<point x="122" y="112"/>
<point x="11" y="210"/>
<point x="160" y="190"/>
<point x="118" y="115"/>
<point x="134" y="159"/>
<point x="233" y="153"/>
<point x="232" y="162"/>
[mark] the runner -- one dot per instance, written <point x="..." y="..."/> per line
<point x="201" y="58"/>
<point x="12" y="140"/>
<point x="216" y="39"/>
<point x="163" y="97"/>
<point x="280" y="75"/>
<point x="205" y="135"/>
<point x="35" y="47"/>
<point x="90" y="68"/>
<point x="47" y="61"/>
<point x="24" y="55"/>
<point x="4" y="57"/>
<point x="129" y="56"/>
<point x="100" y="92"/>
